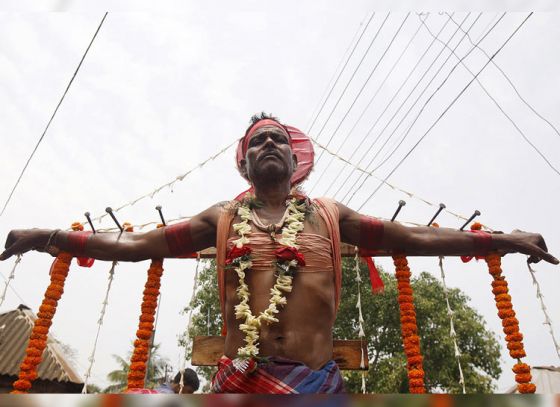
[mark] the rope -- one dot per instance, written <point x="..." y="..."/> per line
<point x="513" y="86"/>
<point x="366" y="81"/>
<point x="52" y="116"/>
<point x="394" y="187"/>
<point x="426" y="71"/>
<point x="547" y="320"/>
<point x="169" y="184"/>
<point x="412" y="106"/>
<point x="343" y="68"/>
<point x="452" y="332"/>
<point x="91" y="358"/>
<point x="448" y="107"/>
<point x="361" y="333"/>
<point x="189" y="325"/>
<point x="10" y="278"/>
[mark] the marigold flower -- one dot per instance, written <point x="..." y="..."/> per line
<point x="410" y="351"/>
<point x="509" y="330"/>
<point x="143" y="334"/>
<point x="415" y="360"/>
<point x="525" y="388"/>
<point x="148" y="326"/>
<point x="506" y="313"/>
<point x="45" y="315"/>
<point x="520" y="368"/>
<point x="500" y="290"/>
<point x="510" y="322"/>
<point x="515" y="337"/>
<point x="515" y="345"/>
<point x="27" y="375"/>
<point x="41" y="330"/>
<point x="503" y="298"/>
<point x="416" y="373"/>
<point x="408" y="320"/>
<point x="147" y="318"/>
<point x="416" y="383"/>
<point x="22" y="385"/>
<point x="139" y="357"/>
<point x="504" y="305"/>
<point x="138" y="366"/>
<point x="517" y="353"/>
<point x="136" y="375"/>
<point x="523" y="377"/>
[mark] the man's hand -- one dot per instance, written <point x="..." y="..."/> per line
<point x="531" y="244"/>
<point x="20" y="241"/>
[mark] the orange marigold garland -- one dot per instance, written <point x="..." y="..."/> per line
<point x="137" y="374"/>
<point x="409" y="329"/>
<point x="510" y="324"/>
<point x="39" y="333"/>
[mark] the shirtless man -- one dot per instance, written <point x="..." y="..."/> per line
<point x="302" y="339"/>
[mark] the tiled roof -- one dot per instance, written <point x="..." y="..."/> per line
<point x="15" y="329"/>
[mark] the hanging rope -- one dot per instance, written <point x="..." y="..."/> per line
<point x="547" y="320"/>
<point x="10" y="278"/>
<point x="361" y="333"/>
<point x="452" y="332"/>
<point x="189" y="324"/>
<point x="105" y="302"/>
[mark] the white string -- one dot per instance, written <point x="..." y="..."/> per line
<point x="10" y="278"/>
<point x="452" y="332"/>
<point x="393" y="186"/>
<point x="547" y="320"/>
<point x="91" y="358"/>
<point x="169" y="184"/>
<point x="361" y="333"/>
<point x="189" y="324"/>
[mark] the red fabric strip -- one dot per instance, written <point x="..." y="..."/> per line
<point x="482" y="245"/>
<point x="77" y="242"/>
<point x="371" y="232"/>
<point x="377" y="285"/>
<point x="179" y="239"/>
<point x="258" y="125"/>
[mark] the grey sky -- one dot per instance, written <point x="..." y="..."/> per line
<point x="159" y="93"/>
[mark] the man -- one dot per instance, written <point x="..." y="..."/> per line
<point x="190" y="383"/>
<point x="278" y="311"/>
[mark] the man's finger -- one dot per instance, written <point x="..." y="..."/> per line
<point x="535" y="258"/>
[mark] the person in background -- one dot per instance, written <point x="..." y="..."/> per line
<point x="190" y="383"/>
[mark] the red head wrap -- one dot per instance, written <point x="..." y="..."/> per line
<point x="300" y="143"/>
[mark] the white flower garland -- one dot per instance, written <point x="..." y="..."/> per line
<point x="251" y="325"/>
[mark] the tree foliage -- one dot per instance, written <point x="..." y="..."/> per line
<point x="480" y="350"/>
<point x="155" y="373"/>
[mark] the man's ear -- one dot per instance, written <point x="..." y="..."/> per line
<point x="294" y="159"/>
<point x="243" y="169"/>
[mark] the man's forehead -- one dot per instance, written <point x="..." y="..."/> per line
<point x="269" y="129"/>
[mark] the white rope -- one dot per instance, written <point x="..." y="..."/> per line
<point x="189" y="324"/>
<point x="10" y="278"/>
<point x="452" y="332"/>
<point x="392" y="186"/>
<point x="169" y="184"/>
<point x="91" y="358"/>
<point x="361" y="333"/>
<point x="547" y="320"/>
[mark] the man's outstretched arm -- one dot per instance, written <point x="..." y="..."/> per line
<point x="371" y="233"/>
<point x="186" y="237"/>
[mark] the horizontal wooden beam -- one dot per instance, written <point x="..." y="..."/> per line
<point x="207" y="351"/>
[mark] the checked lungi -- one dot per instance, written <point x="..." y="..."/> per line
<point x="277" y="375"/>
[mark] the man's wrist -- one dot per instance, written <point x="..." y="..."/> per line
<point x="503" y="242"/>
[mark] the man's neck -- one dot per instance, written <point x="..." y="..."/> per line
<point x="274" y="196"/>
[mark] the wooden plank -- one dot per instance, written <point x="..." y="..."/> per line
<point x="207" y="351"/>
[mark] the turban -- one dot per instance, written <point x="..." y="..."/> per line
<point x="299" y="142"/>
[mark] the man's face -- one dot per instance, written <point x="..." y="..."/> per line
<point x="269" y="155"/>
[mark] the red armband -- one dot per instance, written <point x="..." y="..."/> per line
<point x="179" y="239"/>
<point x="482" y="245"/>
<point x="77" y="242"/>
<point x="371" y="232"/>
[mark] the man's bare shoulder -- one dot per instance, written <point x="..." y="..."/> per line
<point x="213" y="213"/>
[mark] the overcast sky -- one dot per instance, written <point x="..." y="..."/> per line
<point x="160" y="93"/>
